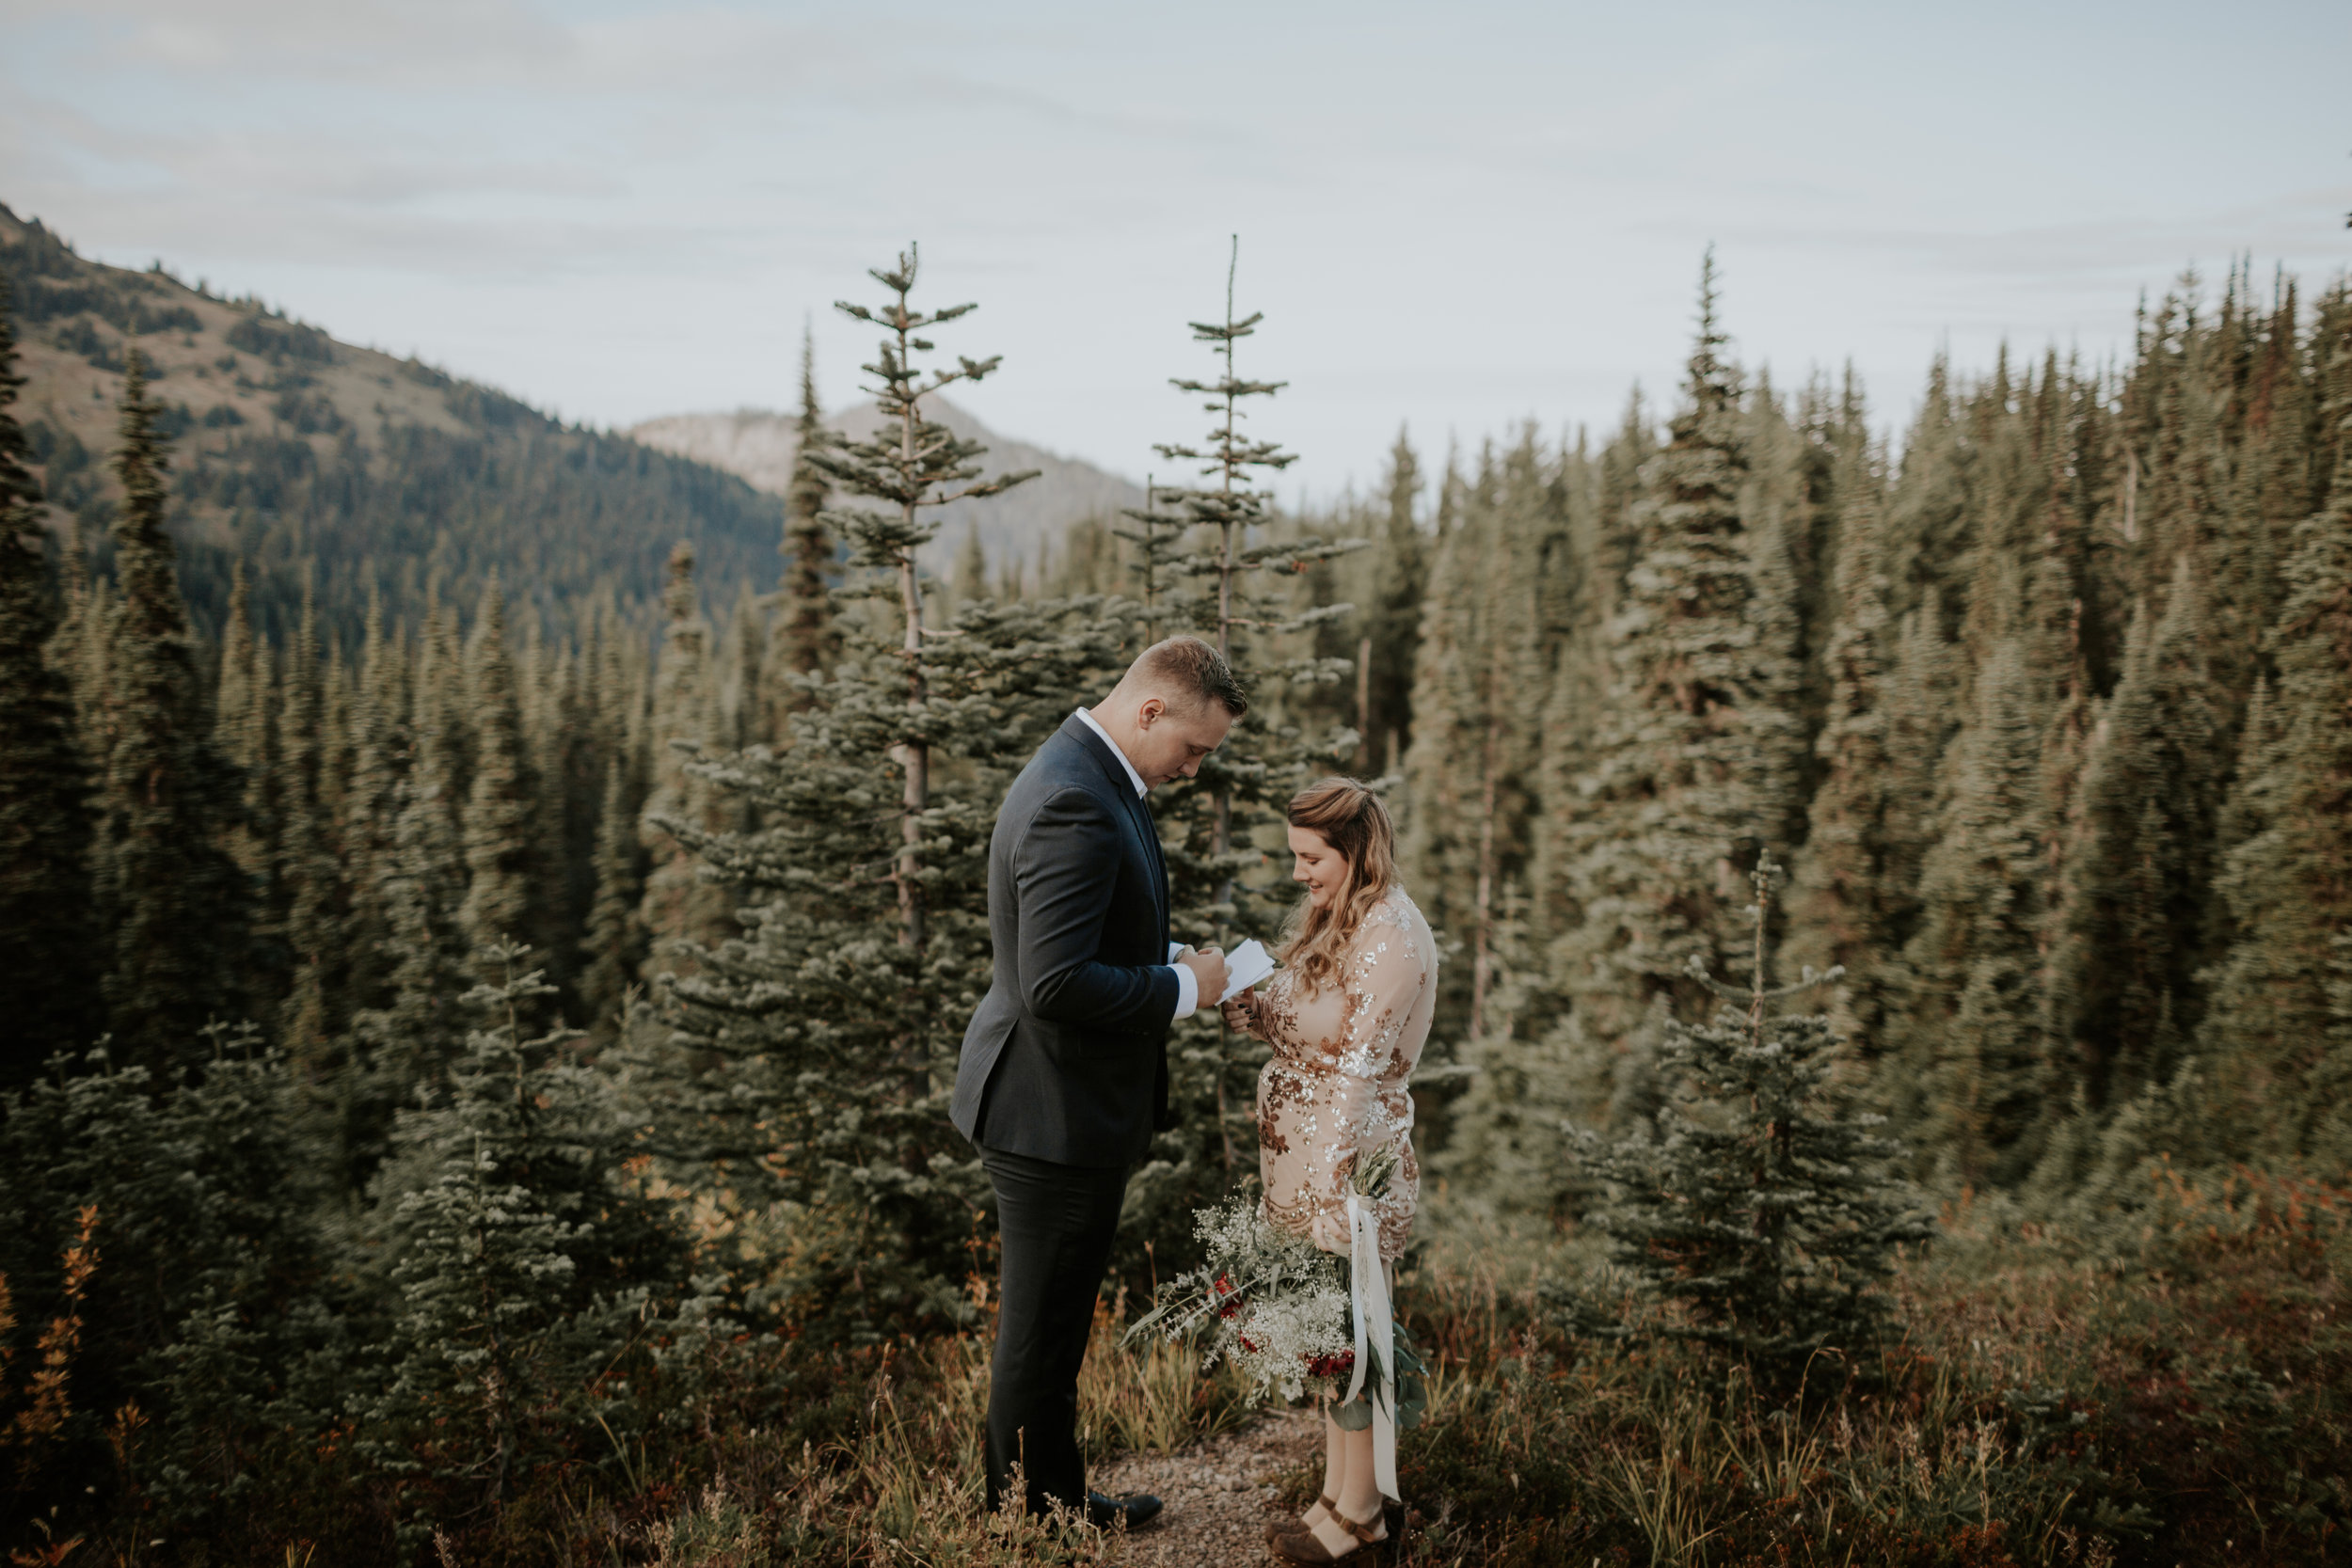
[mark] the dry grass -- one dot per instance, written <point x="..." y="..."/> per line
<point x="2175" y="1388"/>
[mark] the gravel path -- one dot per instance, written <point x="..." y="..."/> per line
<point x="1219" y="1495"/>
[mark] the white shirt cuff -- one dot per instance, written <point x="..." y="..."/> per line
<point x="1187" y="990"/>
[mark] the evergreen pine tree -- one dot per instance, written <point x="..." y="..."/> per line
<point x="242" y="730"/>
<point x="680" y="905"/>
<point x="1209" y="827"/>
<point x="1765" y="1211"/>
<point x="1684" y="771"/>
<point x="2277" y="1041"/>
<point x="913" y="463"/>
<point x="744" y="656"/>
<point x="502" y="900"/>
<point x="805" y="641"/>
<point x="1974" y="1058"/>
<point x="379" y="740"/>
<point x="969" y="585"/>
<point x="48" y="984"/>
<point x="418" y="886"/>
<point x="308" y="866"/>
<point x="1159" y="538"/>
<point x="1601" y="539"/>
<point x="1470" y="773"/>
<point x="614" y="946"/>
<point x="2132" y="921"/>
<point x="1848" y="878"/>
<point x="806" y="1074"/>
<point x="180" y="919"/>
<point x="1393" y="621"/>
<point x="526" y="1264"/>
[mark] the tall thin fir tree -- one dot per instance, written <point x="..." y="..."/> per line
<point x="1841" y="915"/>
<point x="916" y="464"/>
<point x="1158" y="536"/>
<point x="181" y="917"/>
<point x="969" y="583"/>
<point x="1599" y="545"/>
<point x="2277" y="1037"/>
<point x="680" y="905"/>
<point x="502" y="885"/>
<point x="245" y="722"/>
<point x="805" y="641"/>
<point x="408" y="1040"/>
<point x="83" y="651"/>
<point x="1209" y="827"/>
<point x="565" y="820"/>
<point x="1392" y="623"/>
<point x="1682" y="787"/>
<point x="2130" y="926"/>
<point x="1235" y="510"/>
<point x="809" y="1061"/>
<point x="47" y="936"/>
<point x="308" y="865"/>
<point x="614" y="945"/>
<point x="1468" y="775"/>
<point x="1971" y="1032"/>
<point x="744" y="652"/>
<point x="380" y="740"/>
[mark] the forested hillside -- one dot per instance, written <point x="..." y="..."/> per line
<point x="307" y="1170"/>
<point x="305" y="458"/>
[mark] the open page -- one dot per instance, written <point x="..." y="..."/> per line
<point x="1244" y="966"/>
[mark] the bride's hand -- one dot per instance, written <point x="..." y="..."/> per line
<point x="1241" y="1012"/>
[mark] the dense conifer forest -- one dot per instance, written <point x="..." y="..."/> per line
<point x="474" y="1085"/>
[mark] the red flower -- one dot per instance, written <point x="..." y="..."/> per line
<point x="1247" y="1343"/>
<point x="1341" y="1365"/>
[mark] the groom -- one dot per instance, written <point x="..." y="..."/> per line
<point x="1064" y="1071"/>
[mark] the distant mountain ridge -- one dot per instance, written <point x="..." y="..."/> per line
<point x="758" y="445"/>
<point x="298" y="454"/>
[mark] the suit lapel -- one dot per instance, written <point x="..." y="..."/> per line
<point x="1140" y="814"/>
<point x="1159" y="863"/>
<point x="1137" y="812"/>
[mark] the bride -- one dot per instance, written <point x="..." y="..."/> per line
<point x="1346" y="1017"/>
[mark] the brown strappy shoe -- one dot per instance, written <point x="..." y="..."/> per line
<point x="1296" y="1522"/>
<point x="1305" y="1546"/>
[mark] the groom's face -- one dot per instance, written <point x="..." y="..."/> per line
<point x="1172" y="739"/>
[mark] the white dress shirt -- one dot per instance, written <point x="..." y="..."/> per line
<point x="1187" y="984"/>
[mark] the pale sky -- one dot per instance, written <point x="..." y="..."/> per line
<point x="1454" y="215"/>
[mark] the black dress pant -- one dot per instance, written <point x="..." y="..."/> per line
<point x="1055" y="1224"/>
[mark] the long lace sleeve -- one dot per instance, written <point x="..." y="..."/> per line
<point x="1382" y="982"/>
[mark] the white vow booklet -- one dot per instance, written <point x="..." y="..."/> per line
<point x="1244" y="966"/>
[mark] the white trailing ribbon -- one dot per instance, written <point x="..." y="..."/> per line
<point x="1375" y="1330"/>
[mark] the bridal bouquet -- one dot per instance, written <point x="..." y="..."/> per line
<point x="1281" y="1310"/>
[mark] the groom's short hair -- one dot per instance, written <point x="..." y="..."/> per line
<point x="1185" y="667"/>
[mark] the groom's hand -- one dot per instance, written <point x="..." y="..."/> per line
<point x="1208" y="971"/>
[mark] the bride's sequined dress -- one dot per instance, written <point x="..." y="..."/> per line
<point x="1336" y="1087"/>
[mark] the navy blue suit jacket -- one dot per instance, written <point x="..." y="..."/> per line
<point x="1066" y="1058"/>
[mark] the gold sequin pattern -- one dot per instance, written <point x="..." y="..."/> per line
<point x="1336" y="1089"/>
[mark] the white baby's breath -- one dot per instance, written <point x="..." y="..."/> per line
<point x="1275" y="1304"/>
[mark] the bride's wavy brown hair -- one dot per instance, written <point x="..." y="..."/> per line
<point x="1353" y="821"/>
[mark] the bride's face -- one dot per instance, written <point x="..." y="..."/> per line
<point x="1314" y="862"/>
